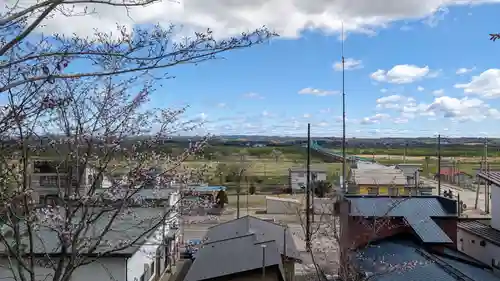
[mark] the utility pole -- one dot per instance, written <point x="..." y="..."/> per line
<point x="406" y="150"/>
<point x="344" y="179"/>
<point x="439" y="164"/>
<point x="308" y="190"/>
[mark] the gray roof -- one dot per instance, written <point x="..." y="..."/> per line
<point x="377" y="174"/>
<point x="140" y="223"/>
<point x="264" y="231"/>
<point x="235" y="255"/>
<point x="481" y="230"/>
<point x="402" y="261"/>
<point x="418" y="212"/>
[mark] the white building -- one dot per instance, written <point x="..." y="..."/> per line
<point x="480" y="238"/>
<point x="147" y="260"/>
<point x="298" y="177"/>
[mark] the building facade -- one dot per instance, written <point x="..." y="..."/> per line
<point x="298" y="177"/>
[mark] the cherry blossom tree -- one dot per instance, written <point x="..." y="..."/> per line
<point x="85" y="103"/>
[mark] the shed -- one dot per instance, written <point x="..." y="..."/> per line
<point x="277" y="205"/>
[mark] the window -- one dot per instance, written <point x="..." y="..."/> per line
<point x="482" y="243"/>
<point x="473" y="241"/>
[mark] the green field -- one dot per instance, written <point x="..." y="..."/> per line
<point x="263" y="168"/>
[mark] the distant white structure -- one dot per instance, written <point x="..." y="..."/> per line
<point x="298" y="177"/>
<point x="277" y="205"/>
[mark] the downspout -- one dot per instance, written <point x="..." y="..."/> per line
<point x="126" y="269"/>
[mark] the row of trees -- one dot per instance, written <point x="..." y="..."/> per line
<point x="85" y="98"/>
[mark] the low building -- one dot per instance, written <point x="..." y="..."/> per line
<point x="455" y="176"/>
<point x="277" y="205"/>
<point x="404" y="238"/>
<point x="375" y="179"/>
<point x="234" y="250"/>
<point x="298" y="177"/>
<point x="154" y="251"/>
<point x="480" y="238"/>
<point x="411" y="172"/>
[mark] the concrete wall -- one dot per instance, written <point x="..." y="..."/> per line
<point x="275" y="205"/>
<point x="105" y="269"/>
<point x="470" y="245"/>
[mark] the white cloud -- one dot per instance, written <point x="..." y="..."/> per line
<point x="317" y="92"/>
<point x="438" y="93"/>
<point x="265" y="113"/>
<point x="465" y="109"/>
<point x="221" y="105"/>
<point x="375" y="119"/>
<point x="229" y="17"/>
<point x="383" y="90"/>
<point x="420" y="88"/>
<point x="307" y="115"/>
<point x="253" y="95"/>
<point x="486" y="84"/>
<point x="401" y="74"/>
<point x="349" y="64"/>
<point x="464" y="70"/>
<point x="394" y="102"/>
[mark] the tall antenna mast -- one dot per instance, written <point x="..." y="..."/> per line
<point x="344" y="180"/>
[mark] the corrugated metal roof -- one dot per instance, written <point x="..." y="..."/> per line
<point x="264" y="231"/>
<point x="482" y="230"/>
<point x="232" y="256"/>
<point x="417" y="211"/>
<point x="398" y="261"/>
<point x="396" y="206"/>
<point x="428" y="230"/>
<point x="491" y="176"/>
<point x="374" y="173"/>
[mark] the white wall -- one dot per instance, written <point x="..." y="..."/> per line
<point x="112" y="269"/>
<point x="298" y="178"/>
<point x="475" y="250"/>
<point x="495" y="206"/>
<point x="146" y="253"/>
<point x="275" y="205"/>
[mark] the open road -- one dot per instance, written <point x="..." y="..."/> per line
<point x="468" y="196"/>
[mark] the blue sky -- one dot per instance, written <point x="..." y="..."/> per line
<point x="414" y="67"/>
<point x="258" y="90"/>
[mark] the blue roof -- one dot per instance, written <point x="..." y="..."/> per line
<point x="401" y="261"/>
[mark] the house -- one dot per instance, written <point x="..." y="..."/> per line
<point x="241" y="255"/>
<point x="480" y="238"/>
<point x="369" y="178"/>
<point x="404" y="238"/>
<point x="154" y="251"/>
<point x="50" y="177"/>
<point x="411" y="172"/>
<point x="298" y="177"/>
<point x="455" y="176"/>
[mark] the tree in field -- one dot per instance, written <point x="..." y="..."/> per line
<point x="85" y="101"/>
<point x="276" y="154"/>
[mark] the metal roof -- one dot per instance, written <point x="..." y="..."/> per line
<point x="491" y="176"/>
<point x="417" y="212"/>
<point x="427" y="230"/>
<point x="374" y="173"/>
<point x="402" y="261"/>
<point x="139" y="223"/>
<point x="264" y="231"/>
<point x="481" y="230"/>
<point x="396" y="206"/>
<point x="239" y="254"/>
